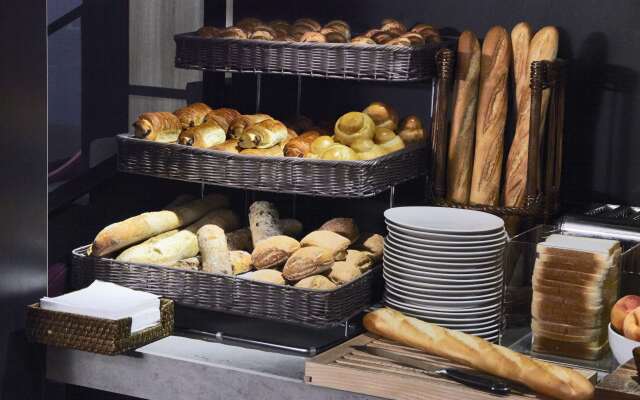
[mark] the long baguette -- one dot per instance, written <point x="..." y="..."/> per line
<point x="491" y="118"/>
<point x="136" y="229"/>
<point x="460" y="159"/>
<point x="548" y="379"/>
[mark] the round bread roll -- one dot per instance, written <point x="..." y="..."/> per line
<point x="343" y="272"/>
<point x="266" y="275"/>
<point x="319" y="282"/>
<point x="411" y="130"/>
<point x="345" y="227"/>
<point x="240" y="261"/>
<point x="363" y="145"/>
<point x="352" y="126"/>
<point x="375" y="152"/>
<point x="392" y="145"/>
<point x="339" y="152"/>
<point x="320" y="144"/>
<point x="383" y="135"/>
<point x="631" y="325"/>
<point x="383" y="115"/>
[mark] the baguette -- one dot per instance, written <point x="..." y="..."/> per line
<point x="166" y="250"/>
<point x="548" y="379"/>
<point x="491" y="117"/>
<point x="460" y="159"/>
<point x="136" y="229"/>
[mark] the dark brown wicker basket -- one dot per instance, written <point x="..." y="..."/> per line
<point x="271" y="174"/>
<point x="326" y="60"/>
<point x="233" y="295"/>
<point x="95" y="335"/>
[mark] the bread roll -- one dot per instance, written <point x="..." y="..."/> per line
<point x="203" y="136"/>
<point x="307" y="261"/>
<point x="392" y="24"/>
<point x="229" y="146"/>
<point x="341" y="26"/>
<point x="352" y="126"/>
<point x="461" y="142"/>
<point x="361" y="259"/>
<point x="263" y="221"/>
<point x="189" y="264"/>
<point x="362" y="40"/>
<point x="135" y="229"/>
<point x="240" y="261"/>
<point x="343" y="272"/>
<point x="383" y="115"/>
<point x="328" y="240"/>
<point x="411" y="130"/>
<point x="239" y="124"/>
<point x="311" y="23"/>
<point x="275" y="151"/>
<point x="233" y="33"/>
<point x="273" y="251"/>
<point x="313" y="37"/>
<point x="266" y="275"/>
<point x="321" y="144"/>
<point x="162" y="127"/>
<point x="192" y="115"/>
<point x="339" y="152"/>
<point x="240" y="239"/>
<point x="416" y="39"/>
<point x="393" y="145"/>
<point x="180" y="200"/>
<point x="223" y="116"/>
<point x="166" y="251"/>
<point x="213" y="250"/>
<point x="547" y="379"/>
<point x="319" y="282"/>
<point x="372" y="243"/>
<point x="345" y="227"/>
<point x="263" y="135"/>
<point x="491" y="117"/>
<point x="208" y="32"/>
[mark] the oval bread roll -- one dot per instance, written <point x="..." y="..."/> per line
<point x="266" y="275"/>
<point x="213" y="250"/>
<point x="372" y="243"/>
<point x="329" y="240"/>
<point x="307" y="261"/>
<point x="274" y="251"/>
<point x="319" y="282"/>
<point x="345" y="227"/>
<point x="240" y="261"/>
<point x="343" y="272"/>
<point x="362" y="260"/>
<point x="291" y="227"/>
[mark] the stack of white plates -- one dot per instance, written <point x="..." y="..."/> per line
<point x="444" y="265"/>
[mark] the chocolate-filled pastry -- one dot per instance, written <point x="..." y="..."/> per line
<point x="192" y="115"/>
<point x="263" y="135"/>
<point x="233" y="33"/>
<point x="416" y="39"/>
<point x="345" y="227"/>
<point x="301" y="145"/>
<point x="248" y="24"/>
<point x="163" y="127"/>
<point x="208" y="32"/>
<point x="306" y="262"/>
<point x="411" y="130"/>
<point x="383" y="115"/>
<point x="333" y="36"/>
<point x="390" y="24"/>
<point x="383" y="37"/>
<point x="239" y="124"/>
<point x="399" y="41"/>
<point x="229" y="146"/>
<point x="313" y="37"/>
<point x="311" y="23"/>
<point x="223" y="116"/>
<point x="275" y="151"/>
<point x="263" y="32"/>
<point x="202" y="136"/>
<point x="362" y="40"/>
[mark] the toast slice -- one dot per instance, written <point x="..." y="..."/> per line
<point x="556" y="272"/>
<point x="585" y="351"/>
<point x="568" y="333"/>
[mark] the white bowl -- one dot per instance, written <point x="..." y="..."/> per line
<point x="621" y="347"/>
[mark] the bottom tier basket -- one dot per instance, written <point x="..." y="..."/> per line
<point x="234" y="295"/>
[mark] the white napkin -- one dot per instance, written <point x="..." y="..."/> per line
<point x="109" y="301"/>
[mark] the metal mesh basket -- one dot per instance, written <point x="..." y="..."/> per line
<point x="233" y="295"/>
<point x="272" y="174"/>
<point x="327" y="60"/>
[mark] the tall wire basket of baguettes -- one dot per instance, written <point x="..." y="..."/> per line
<point x="472" y="168"/>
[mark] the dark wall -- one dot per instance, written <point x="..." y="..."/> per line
<point x="602" y="39"/>
<point x="23" y="144"/>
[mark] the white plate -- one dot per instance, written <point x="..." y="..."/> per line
<point x="448" y="242"/>
<point x="444" y="220"/>
<point x="468" y="326"/>
<point x="456" y="318"/>
<point x="391" y="255"/>
<point x="445" y="279"/>
<point x="443" y="236"/>
<point x="451" y="257"/>
<point x="427" y="291"/>
<point x="456" y="287"/>
<point x="459" y="302"/>
<point x="444" y="270"/>
<point x="397" y="239"/>
<point x="451" y="252"/>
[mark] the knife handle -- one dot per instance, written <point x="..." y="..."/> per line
<point x="485" y="383"/>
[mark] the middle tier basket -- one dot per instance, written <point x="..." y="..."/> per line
<point x="355" y="179"/>
<point x="234" y="295"/>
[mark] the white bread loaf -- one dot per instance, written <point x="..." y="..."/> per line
<point x="213" y="250"/>
<point x="547" y="379"/>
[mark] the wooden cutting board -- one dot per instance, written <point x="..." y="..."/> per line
<point x="621" y="384"/>
<point x="346" y="369"/>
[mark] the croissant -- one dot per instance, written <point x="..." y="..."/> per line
<point x="383" y="37"/>
<point x="393" y="24"/>
<point x="161" y="127"/>
<point x="383" y="115"/>
<point x="275" y="151"/>
<point x="262" y="135"/>
<point x="223" y="116"/>
<point x="203" y="136"/>
<point x="233" y="33"/>
<point x="279" y="25"/>
<point x="362" y="40"/>
<point x="312" y="24"/>
<point x="301" y="145"/>
<point x="192" y="115"/>
<point x="230" y="146"/>
<point x="399" y="41"/>
<point x="248" y="24"/>
<point x="263" y="32"/>
<point x="333" y="35"/>
<point x="352" y="126"/>
<point x="313" y="37"/>
<point x="411" y="130"/>
<point x="239" y="124"/>
<point x="340" y="26"/>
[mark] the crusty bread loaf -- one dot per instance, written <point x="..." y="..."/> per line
<point x="547" y="379"/>
<point x="135" y="229"/>
<point x="491" y="117"/>
<point x="273" y="251"/>
<point x="463" y="124"/>
<point x="263" y="221"/>
<point x="329" y="240"/>
<point x="213" y="250"/>
<point x="166" y="250"/>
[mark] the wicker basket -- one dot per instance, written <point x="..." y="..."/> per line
<point x="233" y="295"/>
<point x="271" y="174"/>
<point x="95" y="335"/>
<point x="326" y="60"/>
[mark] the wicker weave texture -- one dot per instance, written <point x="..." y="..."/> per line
<point x="272" y="174"/>
<point x="94" y="334"/>
<point x="326" y="60"/>
<point x="233" y="295"/>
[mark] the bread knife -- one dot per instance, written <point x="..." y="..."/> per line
<point x="482" y="382"/>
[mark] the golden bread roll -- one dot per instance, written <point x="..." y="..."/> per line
<point x="307" y="261"/>
<point x="333" y="35"/>
<point x="229" y="146"/>
<point x="314" y="37"/>
<point x="266" y="275"/>
<point x="192" y="115"/>
<point x="392" y="145"/>
<point x="309" y="22"/>
<point x="319" y="282"/>
<point x="312" y="155"/>
<point x="263" y="221"/>
<point x="361" y="259"/>
<point x="332" y="241"/>
<point x="189" y="264"/>
<point x="383" y="115"/>
<point x="352" y="126"/>
<point x="301" y="145"/>
<point x="240" y="239"/>
<point x="163" y="127"/>
<point x="375" y="152"/>
<point x="411" y="130"/>
<point x="340" y="26"/>
<point x="339" y="152"/>
<point x="214" y="253"/>
<point x="321" y="144"/>
<point x="239" y="124"/>
<point x="343" y="272"/>
<point x="208" y="32"/>
<point x="382" y="37"/>
<point x="203" y="136"/>
<point x="393" y="25"/>
<point x="290" y="227"/>
<point x="274" y="251"/>
<point x="263" y="135"/>
<point x="233" y="33"/>
<point x="275" y="151"/>
<point x="362" y="145"/>
<point x="383" y="135"/>
<point x="345" y="227"/>
<point x="223" y="116"/>
<point x="248" y="23"/>
<point x="240" y="261"/>
<point x="372" y="243"/>
<point x="263" y="32"/>
<point x="542" y="377"/>
<point x="362" y="40"/>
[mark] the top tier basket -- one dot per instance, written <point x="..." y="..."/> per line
<point x="325" y="60"/>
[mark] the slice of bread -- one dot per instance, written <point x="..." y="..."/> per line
<point x="596" y="246"/>
<point x="553" y="271"/>
<point x="568" y="333"/>
<point x="585" y="351"/>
